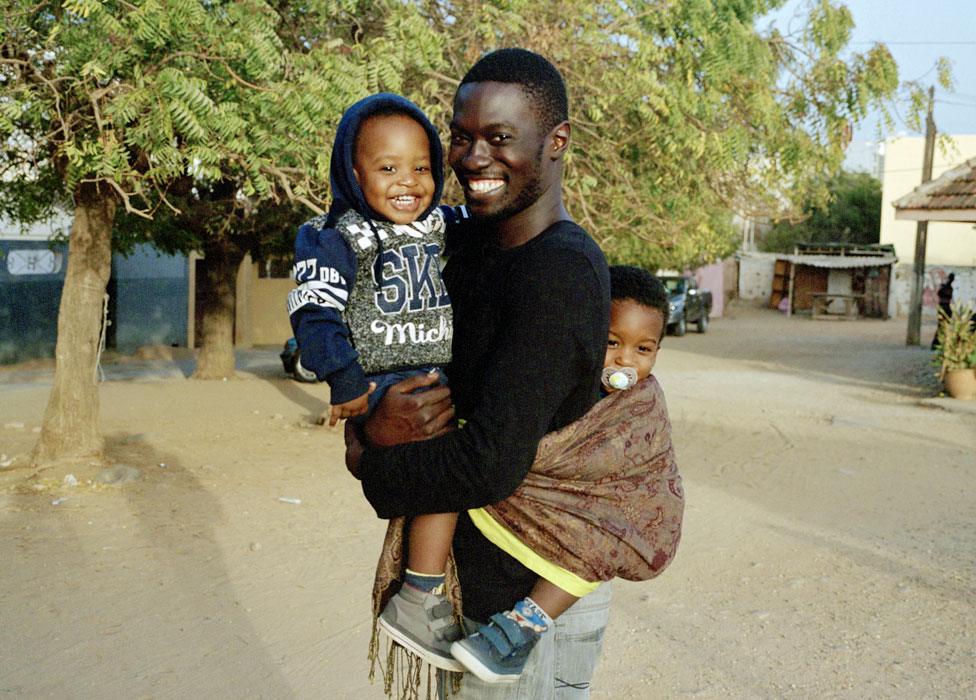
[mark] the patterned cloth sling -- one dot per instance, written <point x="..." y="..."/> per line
<point x="603" y="499"/>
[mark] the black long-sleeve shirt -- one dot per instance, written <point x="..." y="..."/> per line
<point x="530" y="333"/>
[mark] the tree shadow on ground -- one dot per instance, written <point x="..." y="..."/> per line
<point x="149" y="546"/>
<point x="178" y="518"/>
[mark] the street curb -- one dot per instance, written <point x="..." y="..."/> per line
<point x="949" y="404"/>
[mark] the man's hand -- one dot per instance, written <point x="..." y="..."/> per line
<point x="357" y="407"/>
<point x="404" y="416"/>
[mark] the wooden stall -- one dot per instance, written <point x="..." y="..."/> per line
<point x="835" y="280"/>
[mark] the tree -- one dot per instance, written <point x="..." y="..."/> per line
<point x="683" y="113"/>
<point x="224" y="226"/>
<point x="122" y="106"/>
<point x="221" y="218"/>
<point x="851" y="215"/>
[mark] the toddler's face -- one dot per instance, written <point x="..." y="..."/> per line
<point x="635" y="336"/>
<point x="392" y="166"/>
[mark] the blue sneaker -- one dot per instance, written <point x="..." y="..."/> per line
<point x="497" y="652"/>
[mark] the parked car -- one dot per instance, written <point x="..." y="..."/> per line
<point x="289" y="360"/>
<point x="689" y="304"/>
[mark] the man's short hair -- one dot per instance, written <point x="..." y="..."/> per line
<point x="639" y="285"/>
<point x="539" y="79"/>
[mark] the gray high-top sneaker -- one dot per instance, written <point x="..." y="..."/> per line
<point x="423" y="623"/>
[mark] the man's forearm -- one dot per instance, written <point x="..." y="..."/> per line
<point x="452" y="473"/>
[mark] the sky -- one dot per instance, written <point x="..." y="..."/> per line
<point x="917" y="32"/>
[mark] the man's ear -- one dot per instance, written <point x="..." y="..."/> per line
<point x="559" y="140"/>
<point x="355" y="173"/>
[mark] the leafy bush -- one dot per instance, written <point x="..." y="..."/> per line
<point x="956" y="347"/>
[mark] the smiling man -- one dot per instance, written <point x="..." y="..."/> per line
<point x="530" y="291"/>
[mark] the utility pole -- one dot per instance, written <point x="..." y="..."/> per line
<point x="921" y="233"/>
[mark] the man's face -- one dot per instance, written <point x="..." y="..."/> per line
<point x="497" y="149"/>
<point x="392" y="166"/>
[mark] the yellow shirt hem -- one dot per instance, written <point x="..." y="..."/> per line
<point x="509" y="543"/>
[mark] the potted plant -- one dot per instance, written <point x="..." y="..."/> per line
<point x="955" y="352"/>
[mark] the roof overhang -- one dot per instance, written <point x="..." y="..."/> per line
<point x="949" y="197"/>
<point x="841" y="261"/>
<point x="961" y="215"/>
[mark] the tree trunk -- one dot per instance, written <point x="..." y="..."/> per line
<point x="219" y="286"/>
<point x="70" y="426"/>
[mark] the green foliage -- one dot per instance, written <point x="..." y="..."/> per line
<point x="683" y="113"/>
<point x="852" y="214"/>
<point x="956" y="346"/>
<point x="209" y="118"/>
<point x="139" y="97"/>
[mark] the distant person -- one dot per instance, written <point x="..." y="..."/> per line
<point x="944" y="295"/>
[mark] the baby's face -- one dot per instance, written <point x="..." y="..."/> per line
<point x="392" y="166"/>
<point x="635" y="336"/>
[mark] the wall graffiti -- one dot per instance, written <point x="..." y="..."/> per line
<point x="934" y="278"/>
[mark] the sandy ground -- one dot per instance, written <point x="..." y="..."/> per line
<point x="828" y="549"/>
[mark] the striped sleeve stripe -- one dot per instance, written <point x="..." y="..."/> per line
<point x="299" y="297"/>
<point x="340" y="293"/>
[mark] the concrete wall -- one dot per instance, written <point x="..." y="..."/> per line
<point x="948" y="244"/>
<point x="712" y="278"/>
<point x="148" y="302"/>
<point x="756" y="276"/>
<point x="964" y="287"/>
<point x="268" y="317"/>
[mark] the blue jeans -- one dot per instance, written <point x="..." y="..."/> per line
<point x="562" y="663"/>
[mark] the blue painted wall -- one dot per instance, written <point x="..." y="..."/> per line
<point x="151" y="299"/>
<point x="28" y="302"/>
<point x="149" y="305"/>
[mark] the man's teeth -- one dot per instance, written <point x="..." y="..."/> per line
<point x="404" y="199"/>
<point x="485" y="185"/>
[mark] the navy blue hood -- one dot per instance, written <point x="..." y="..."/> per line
<point x="346" y="193"/>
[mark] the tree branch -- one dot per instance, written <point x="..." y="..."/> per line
<point x="125" y="197"/>
<point x="214" y="59"/>
<point x="285" y="184"/>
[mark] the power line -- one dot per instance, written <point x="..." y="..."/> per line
<point x="956" y="104"/>
<point x="917" y="43"/>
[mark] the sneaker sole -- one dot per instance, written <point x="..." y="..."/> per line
<point x="413" y="646"/>
<point x="473" y="664"/>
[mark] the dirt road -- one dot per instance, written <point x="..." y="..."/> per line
<point x="828" y="549"/>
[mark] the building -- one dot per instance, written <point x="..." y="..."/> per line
<point x="148" y="293"/>
<point x="845" y="277"/>
<point x="951" y="245"/>
<point x="32" y="268"/>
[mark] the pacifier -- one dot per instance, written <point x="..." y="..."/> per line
<point x="619" y="378"/>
